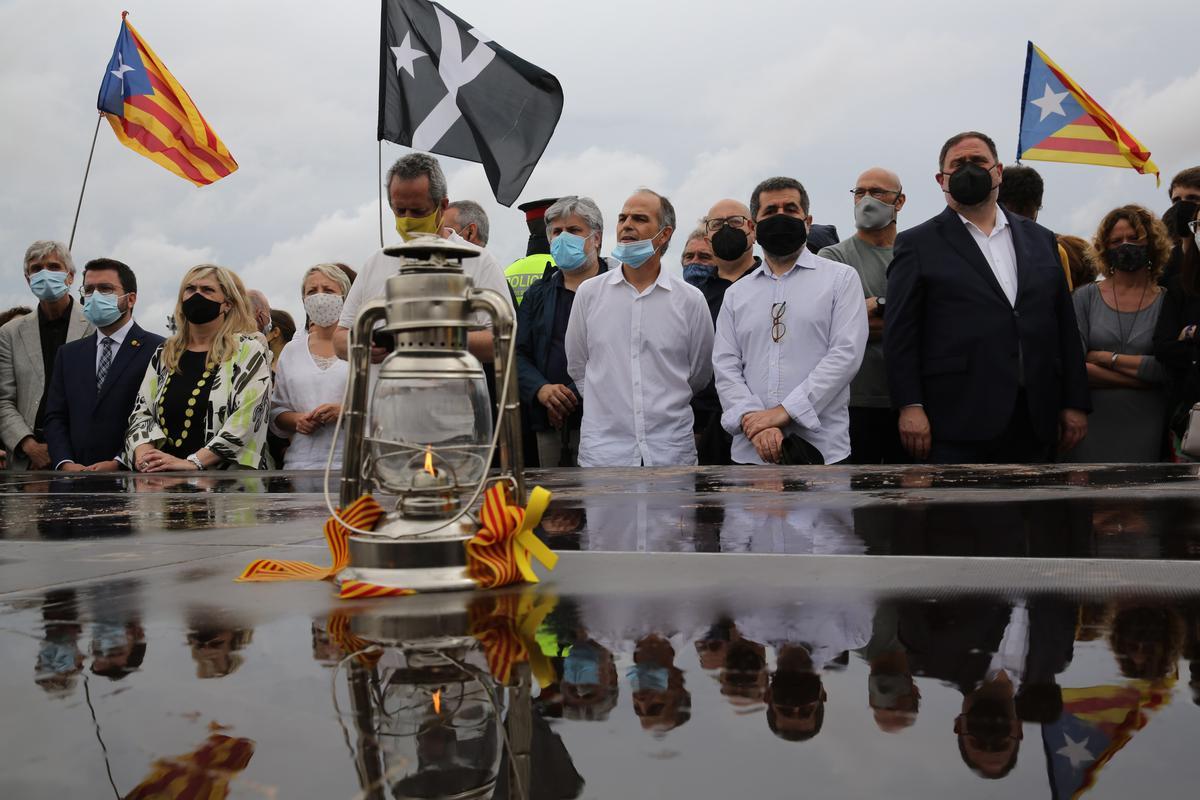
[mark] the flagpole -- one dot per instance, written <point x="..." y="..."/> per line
<point x="379" y="183"/>
<point x="86" y="170"/>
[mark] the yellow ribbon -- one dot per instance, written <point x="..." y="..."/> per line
<point x="506" y="625"/>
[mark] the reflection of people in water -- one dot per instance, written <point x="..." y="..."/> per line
<point x="118" y="644"/>
<point x="744" y="674"/>
<point x="795" y="697"/>
<point x="892" y="693"/>
<point x="59" y="659"/>
<point x="711" y="647"/>
<point x="1191" y="649"/>
<point x="988" y="729"/>
<point x="1147" y="641"/>
<point x="660" y="699"/>
<point x="215" y="645"/>
<point x="589" y="682"/>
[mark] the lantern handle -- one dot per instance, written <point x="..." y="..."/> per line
<point x="508" y="401"/>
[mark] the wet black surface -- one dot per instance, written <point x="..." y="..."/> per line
<point x="731" y="662"/>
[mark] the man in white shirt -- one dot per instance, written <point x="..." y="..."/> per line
<point x="417" y="193"/>
<point x="790" y="337"/>
<point x="639" y="345"/>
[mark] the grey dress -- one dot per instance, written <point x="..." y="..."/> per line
<point x="1126" y="425"/>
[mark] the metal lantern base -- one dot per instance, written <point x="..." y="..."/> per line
<point x="424" y="565"/>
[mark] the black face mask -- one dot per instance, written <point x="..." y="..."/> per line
<point x="1178" y="216"/>
<point x="729" y="244"/>
<point x="970" y="184"/>
<point x="1128" y="257"/>
<point x="781" y="235"/>
<point x="199" y="309"/>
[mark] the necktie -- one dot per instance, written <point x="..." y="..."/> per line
<point x="105" y="361"/>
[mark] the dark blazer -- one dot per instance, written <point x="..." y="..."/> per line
<point x="953" y="343"/>
<point x="85" y="423"/>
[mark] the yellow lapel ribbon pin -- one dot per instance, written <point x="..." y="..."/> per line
<point x="499" y="554"/>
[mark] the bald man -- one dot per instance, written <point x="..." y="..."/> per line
<point x="729" y="229"/>
<point x="878" y="198"/>
<point x="262" y="310"/>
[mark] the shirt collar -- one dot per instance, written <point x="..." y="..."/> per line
<point x="806" y="261"/>
<point x="616" y="275"/>
<point x="117" y="336"/>
<point x="1001" y="223"/>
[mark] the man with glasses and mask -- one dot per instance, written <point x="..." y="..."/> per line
<point x="96" y="379"/>
<point x="878" y="198"/>
<point x="28" y="346"/>
<point x="417" y="193"/>
<point x="1185" y="199"/>
<point x="790" y="337"/>
<point x="982" y="351"/>
<point x="728" y="233"/>
<point x="639" y="345"/>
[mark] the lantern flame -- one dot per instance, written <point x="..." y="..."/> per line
<point x="429" y="461"/>
<point x="437" y="702"/>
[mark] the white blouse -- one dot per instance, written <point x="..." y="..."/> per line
<point x="301" y="385"/>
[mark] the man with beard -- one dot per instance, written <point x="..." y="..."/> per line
<point x="790" y="337"/>
<point x="983" y="355"/>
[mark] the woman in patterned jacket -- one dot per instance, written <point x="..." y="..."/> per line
<point x="203" y="403"/>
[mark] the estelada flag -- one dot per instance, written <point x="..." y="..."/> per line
<point x="445" y="87"/>
<point x="1062" y="122"/>
<point x="151" y="113"/>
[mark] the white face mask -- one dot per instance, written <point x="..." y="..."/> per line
<point x="323" y="309"/>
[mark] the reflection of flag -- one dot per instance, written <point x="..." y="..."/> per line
<point x="1096" y="722"/>
<point x="446" y="87"/>
<point x="1061" y="122"/>
<point x="204" y="773"/>
<point x="151" y="113"/>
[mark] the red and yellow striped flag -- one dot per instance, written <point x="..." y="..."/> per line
<point x="151" y="113"/>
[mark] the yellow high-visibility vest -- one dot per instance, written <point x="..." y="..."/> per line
<point x="524" y="271"/>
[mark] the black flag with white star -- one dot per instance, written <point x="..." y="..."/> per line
<point x="447" y="88"/>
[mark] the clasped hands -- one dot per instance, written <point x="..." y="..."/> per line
<point x="317" y="418"/>
<point x="764" y="429"/>
<point x="559" y="401"/>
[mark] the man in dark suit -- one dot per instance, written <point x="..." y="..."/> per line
<point x="983" y="354"/>
<point x="96" y="379"/>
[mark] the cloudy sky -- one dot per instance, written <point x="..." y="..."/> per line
<point x="696" y="99"/>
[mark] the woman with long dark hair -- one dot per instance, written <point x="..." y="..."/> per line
<point x="1176" y="343"/>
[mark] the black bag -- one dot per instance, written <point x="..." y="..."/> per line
<point x="796" y="450"/>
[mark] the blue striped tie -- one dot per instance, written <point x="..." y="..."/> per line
<point x="105" y="361"/>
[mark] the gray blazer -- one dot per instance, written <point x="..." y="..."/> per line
<point x="21" y="376"/>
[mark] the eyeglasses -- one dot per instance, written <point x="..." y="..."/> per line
<point x="716" y="223"/>
<point x="875" y="191"/>
<point x="103" y="288"/>
<point x="1194" y="226"/>
<point x="778" y="329"/>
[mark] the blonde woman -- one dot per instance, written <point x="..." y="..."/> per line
<point x="310" y="379"/>
<point x="203" y="403"/>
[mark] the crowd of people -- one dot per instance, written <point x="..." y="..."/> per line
<point x="977" y="336"/>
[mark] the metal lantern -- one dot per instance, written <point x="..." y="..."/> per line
<point x="425" y="436"/>
<point x="431" y="720"/>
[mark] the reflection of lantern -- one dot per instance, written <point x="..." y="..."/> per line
<point x="426" y="708"/>
<point x="426" y="436"/>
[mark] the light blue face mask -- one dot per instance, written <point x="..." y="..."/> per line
<point x="581" y="667"/>
<point x="108" y="638"/>
<point x="102" y="309"/>
<point x="647" y="678"/>
<point x="567" y="250"/>
<point x="48" y="285"/>
<point x="634" y="254"/>
<point x="696" y="274"/>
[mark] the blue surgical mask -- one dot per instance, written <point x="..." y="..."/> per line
<point x="567" y="250"/>
<point x="697" y="274"/>
<point x="581" y="667"/>
<point x="634" y="254"/>
<point x="647" y="678"/>
<point x="102" y="309"/>
<point x="48" y="285"/>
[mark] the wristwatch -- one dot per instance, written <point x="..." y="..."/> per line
<point x="879" y="303"/>
<point x="195" y="459"/>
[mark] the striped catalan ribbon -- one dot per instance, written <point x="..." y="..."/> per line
<point x="204" y="773"/>
<point x="506" y="626"/>
<point x="362" y="514"/>
<point x="499" y="554"/>
<point x="350" y="642"/>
